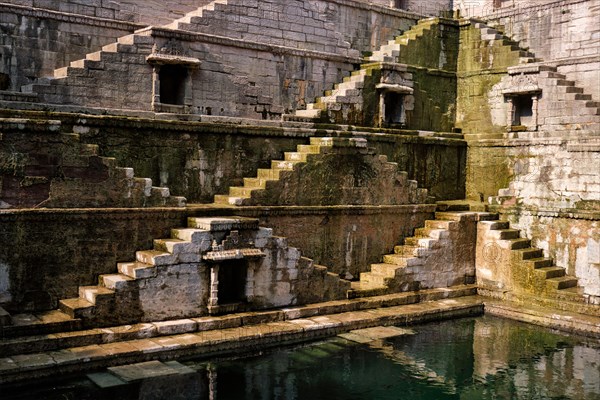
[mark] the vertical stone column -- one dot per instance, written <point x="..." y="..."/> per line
<point x="250" y="282"/>
<point x="381" y="122"/>
<point x="510" y="112"/>
<point x="214" y="286"/>
<point x="534" y="112"/>
<point x="155" y="87"/>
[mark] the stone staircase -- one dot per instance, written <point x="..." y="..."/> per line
<point x="297" y="179"/>
<point x="393" y="50"/>
<point x="350" y="90"/>
<point x="68" y="173"/>
<point x="431" y="258"/>
<point x="534" y="272"/>
<point x="495" y="35"/>
<point x="187" y="22"/>
<point x="166" y="282"/>
<point x="529" y="276"/>
<point x="264" y="177"/>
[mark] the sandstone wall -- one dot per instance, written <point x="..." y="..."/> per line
<point x="146" y="12"/>
<point x="45" y="255"/>
<point x="548" y="188"/>
<point x="35" y="42"/>
<point x="563" y="33"/>
<point x="197" y="160"/>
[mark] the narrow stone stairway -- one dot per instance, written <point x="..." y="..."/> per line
<point x="395" y="48"/>
<point x="349" y="91"/>
<point x="268" y="176"/>
<point x="495" y="35"/>
<point x="434" y="257"/>
<point x="534" y="272"/>
<point x="69" y="173"/>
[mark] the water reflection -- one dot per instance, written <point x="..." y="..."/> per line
<point x="481" y="358"/>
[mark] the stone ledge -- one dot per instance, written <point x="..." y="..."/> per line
<point x="60" y="340"/>
<point x="71" y="18"/>
<point x="555" y="319"/>
<point x="548" y="212"/>
<point x="228" y="341"/>
<point x="246" y="44"/>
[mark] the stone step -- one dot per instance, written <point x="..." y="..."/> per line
<point x="137" y="270"/>
<point x="496" y="225"/>
<point x="449" y="216"/>
<point x="115" y="281"/>
<point x="564" y="82"/>
<point x="420" y="243"/>
<point x="529" y="253"/>
<point x="504" y="234"/>
<point x="95" y="294"/>
<point x="284" y="165"/>
<point x="229" y="200"/>
<point x="309" y="113"/>
<point x="428" y="232"/>
<point x="439" y="224"/>
<point x="268" y="174"/>
<point x="562" y="282"/>
<point x="295" y="156"/>
<point x="154" y="257"/>
<point x="87" y="64"/>
<point x="193" y="235"/>
<point x="374" y="279"/>
<point x="402" y="261"/>
<point x="256" y="183"/>
<point x="519" y="243"/>
<point x="240" y="191"/>
<point x="76" y="307"/>
<point x="573" y="89"/>
<point x="550" y="272"/>
<point x="309" y="148"/>
<point x="542" y="262"/>
<point x="384" y="269"/>
<point x="406" y="250"/>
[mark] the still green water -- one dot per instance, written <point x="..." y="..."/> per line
<point x="474" y="358"/>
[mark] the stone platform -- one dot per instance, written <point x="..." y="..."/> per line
<point x="33" y="357"/>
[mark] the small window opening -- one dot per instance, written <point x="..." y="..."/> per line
<point x="172" y="84"/>
<point x="394" y="110"/>
<point x="232" y="281"/>
<point x="4" y="81"/>
<point x="401" y="4"/>
<point x="523" y="110"/>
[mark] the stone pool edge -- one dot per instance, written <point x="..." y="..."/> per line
<point x="226" y="341"/>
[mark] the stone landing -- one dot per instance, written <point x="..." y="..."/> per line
<point x="207" y="337"/>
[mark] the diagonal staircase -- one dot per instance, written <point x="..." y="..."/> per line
<point x="414" y="265"/>
<point x="495" y="36"/>
<point x="268" y="176"/>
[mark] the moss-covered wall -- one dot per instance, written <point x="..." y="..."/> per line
<point x="198" y="160"/>
<point x="45" y="255"/>
<point x="481" y="65"/>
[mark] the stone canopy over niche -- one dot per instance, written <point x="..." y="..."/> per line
<point x="172" y="78"/>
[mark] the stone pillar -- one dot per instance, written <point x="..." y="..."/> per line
<point x="214" y="286"/>
<point x="250" y="282"/>
<point x="155" y="87"/>
<point x="381" y="109"/>
<point x="510" y="112"/>
<point x="534" y="112"/>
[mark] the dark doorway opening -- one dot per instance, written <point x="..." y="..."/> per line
<point x="393" y="109"/>
<point x="172" y="84"/>
<point x="523" y="107"/>
<point x="401" y="4"/>
<point x="232" y="281"/>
